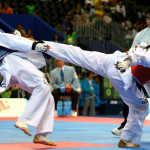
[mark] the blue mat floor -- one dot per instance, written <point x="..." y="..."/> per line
<point x="97" y="133"/>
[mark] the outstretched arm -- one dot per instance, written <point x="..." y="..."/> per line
<point x="14" y="42"/>
<point x="90" y="60"/>
<point x="19" y="43"/>
<point x="140" y="58"/>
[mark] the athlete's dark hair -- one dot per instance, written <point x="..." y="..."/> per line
<point x="148" y="11"/>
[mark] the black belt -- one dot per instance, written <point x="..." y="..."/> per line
<point x="141" y="87"/>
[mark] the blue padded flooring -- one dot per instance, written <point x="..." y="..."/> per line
<point x="96" y="133"/>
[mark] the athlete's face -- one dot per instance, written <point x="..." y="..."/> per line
<point x="148" y="20"/>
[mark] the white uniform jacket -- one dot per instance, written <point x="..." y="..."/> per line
<point x="142" y="58"/>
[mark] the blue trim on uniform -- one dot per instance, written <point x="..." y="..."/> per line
<point x="5" y="51"/>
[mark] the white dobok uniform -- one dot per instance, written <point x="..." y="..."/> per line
<point x="140" y="57"/>
<point x="20" y="69"/>
<point x="103" y="64"/>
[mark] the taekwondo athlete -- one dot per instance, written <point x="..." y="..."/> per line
<point x="15" y="70"/>
<point x="103" y="64"/>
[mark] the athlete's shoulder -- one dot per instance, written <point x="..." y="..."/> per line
<point x="143" y="31"/>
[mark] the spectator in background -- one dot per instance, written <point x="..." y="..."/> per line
<point x="28" y="35"/>
<point x="129" y="37"/>
<point x="106" y="31"/>
<point x="30" y="8"/>
<point x="83" y="9"/>
<point x="99" y="22"/>
<point x="107" y="18"/>
<point x="64" y="26"/>
<point x="99" y="11"/>
<point x="87" y="13"/>
<point x="89" y="94"/>
<point x="56" y="38"/>
<point x="99" y="5"/>
<point x="134" y="30"/>
<point x="21" y="30"/>
<point x="78" y="17"/>
<point x="69" y="18"/>
<point x="92" y="10"/>
<point x="128" y="23"/>
<point x="64" y="81"/>
<point x="97" y="91"/>
<point x="71" y="37"/>
<point x="7" y="9"/>
<point x="78" y="7"/>
<point x="59" y="28"/>
<point x="120" y="11"/>
<point x="113" y="9"/>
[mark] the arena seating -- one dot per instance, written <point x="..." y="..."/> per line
<point x="52" y="11"/>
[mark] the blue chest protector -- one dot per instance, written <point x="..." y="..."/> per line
<point x="5" y="51"/>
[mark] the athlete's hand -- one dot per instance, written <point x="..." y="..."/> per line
<point x="123" y="65"/>
<point x="40" y="47"/>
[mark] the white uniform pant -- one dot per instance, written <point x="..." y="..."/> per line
<point x="103" y="64"/>
<point x="39" y="111"/>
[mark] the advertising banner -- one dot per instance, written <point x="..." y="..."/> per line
<point x="12" y="107"/>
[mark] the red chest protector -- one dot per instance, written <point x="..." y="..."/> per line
<point x="142" y="74"/>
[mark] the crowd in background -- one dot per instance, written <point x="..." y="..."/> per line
<point x="98" y="14"/>
<point x="29" y="8"/>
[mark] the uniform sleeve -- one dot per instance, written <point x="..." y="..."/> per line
<point x="90" y="60"/>
<point x="14" y="42"/>
<point x="141" y="58"/>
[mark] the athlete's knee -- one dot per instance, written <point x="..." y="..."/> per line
<point x="144" y="105"/>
